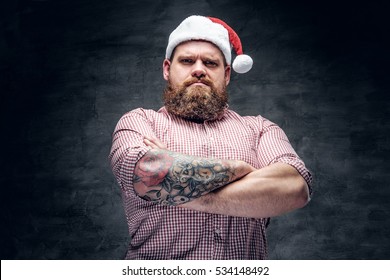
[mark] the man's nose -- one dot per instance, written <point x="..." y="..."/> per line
<point x="198" y="70"/>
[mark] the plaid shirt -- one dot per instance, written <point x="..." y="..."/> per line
<point x="169" y="232"/>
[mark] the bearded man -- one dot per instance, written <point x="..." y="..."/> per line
<point x="199" y="181"/>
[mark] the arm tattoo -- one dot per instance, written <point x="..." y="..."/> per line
<point x="171" y="178"/>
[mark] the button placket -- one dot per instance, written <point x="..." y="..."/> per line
<point x="210" y="138"/>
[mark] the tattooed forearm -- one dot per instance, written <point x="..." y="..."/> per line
<point x="171" y="178"/>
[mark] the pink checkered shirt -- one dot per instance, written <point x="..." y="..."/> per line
<point x="169" y="232"/>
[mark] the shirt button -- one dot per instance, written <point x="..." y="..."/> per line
<point x="211" y="139"/>
<point x="218" y="231"/>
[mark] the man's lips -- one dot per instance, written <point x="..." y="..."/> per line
<point x="198" y="84"/>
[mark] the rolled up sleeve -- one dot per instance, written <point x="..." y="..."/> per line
<point x="274" y="146"/>
<point x="128" y="147"/>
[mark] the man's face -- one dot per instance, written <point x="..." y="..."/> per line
<point x="197" y="79"/>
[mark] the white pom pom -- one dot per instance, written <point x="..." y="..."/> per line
<point x="242" y="63"/>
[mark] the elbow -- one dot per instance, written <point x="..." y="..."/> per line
<point x="302" y="196"/>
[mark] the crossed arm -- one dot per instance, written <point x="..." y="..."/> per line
<point x="228" y="187"/>
<point x="172" y="178"/>
<point x="267" y="192"/>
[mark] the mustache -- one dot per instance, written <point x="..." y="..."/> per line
<point x="193" y="80"/>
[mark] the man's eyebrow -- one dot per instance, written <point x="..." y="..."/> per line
<point x="185" y="55"/>
<point x="214" y="59"/>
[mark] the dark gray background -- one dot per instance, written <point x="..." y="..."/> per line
<point x="70" y="69"/>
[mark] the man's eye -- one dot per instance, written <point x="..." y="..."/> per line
<point x="210" y="63"/>
<point x="186" y="60"/>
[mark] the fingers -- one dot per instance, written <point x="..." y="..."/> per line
<point x="150" y="144"/>
<point x="154" y="142"/>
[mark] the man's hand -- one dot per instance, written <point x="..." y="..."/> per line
<point x="154" y="143"/>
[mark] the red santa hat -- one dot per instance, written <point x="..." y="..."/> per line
<point x="215" y="31"/>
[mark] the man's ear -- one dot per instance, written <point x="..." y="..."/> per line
<point x="228" y="71"/>
<point x="166" y="66"/>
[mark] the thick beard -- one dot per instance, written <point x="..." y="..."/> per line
<point x="197" y="103"/>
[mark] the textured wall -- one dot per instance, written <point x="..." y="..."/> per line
<point x="70" y="69"/>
